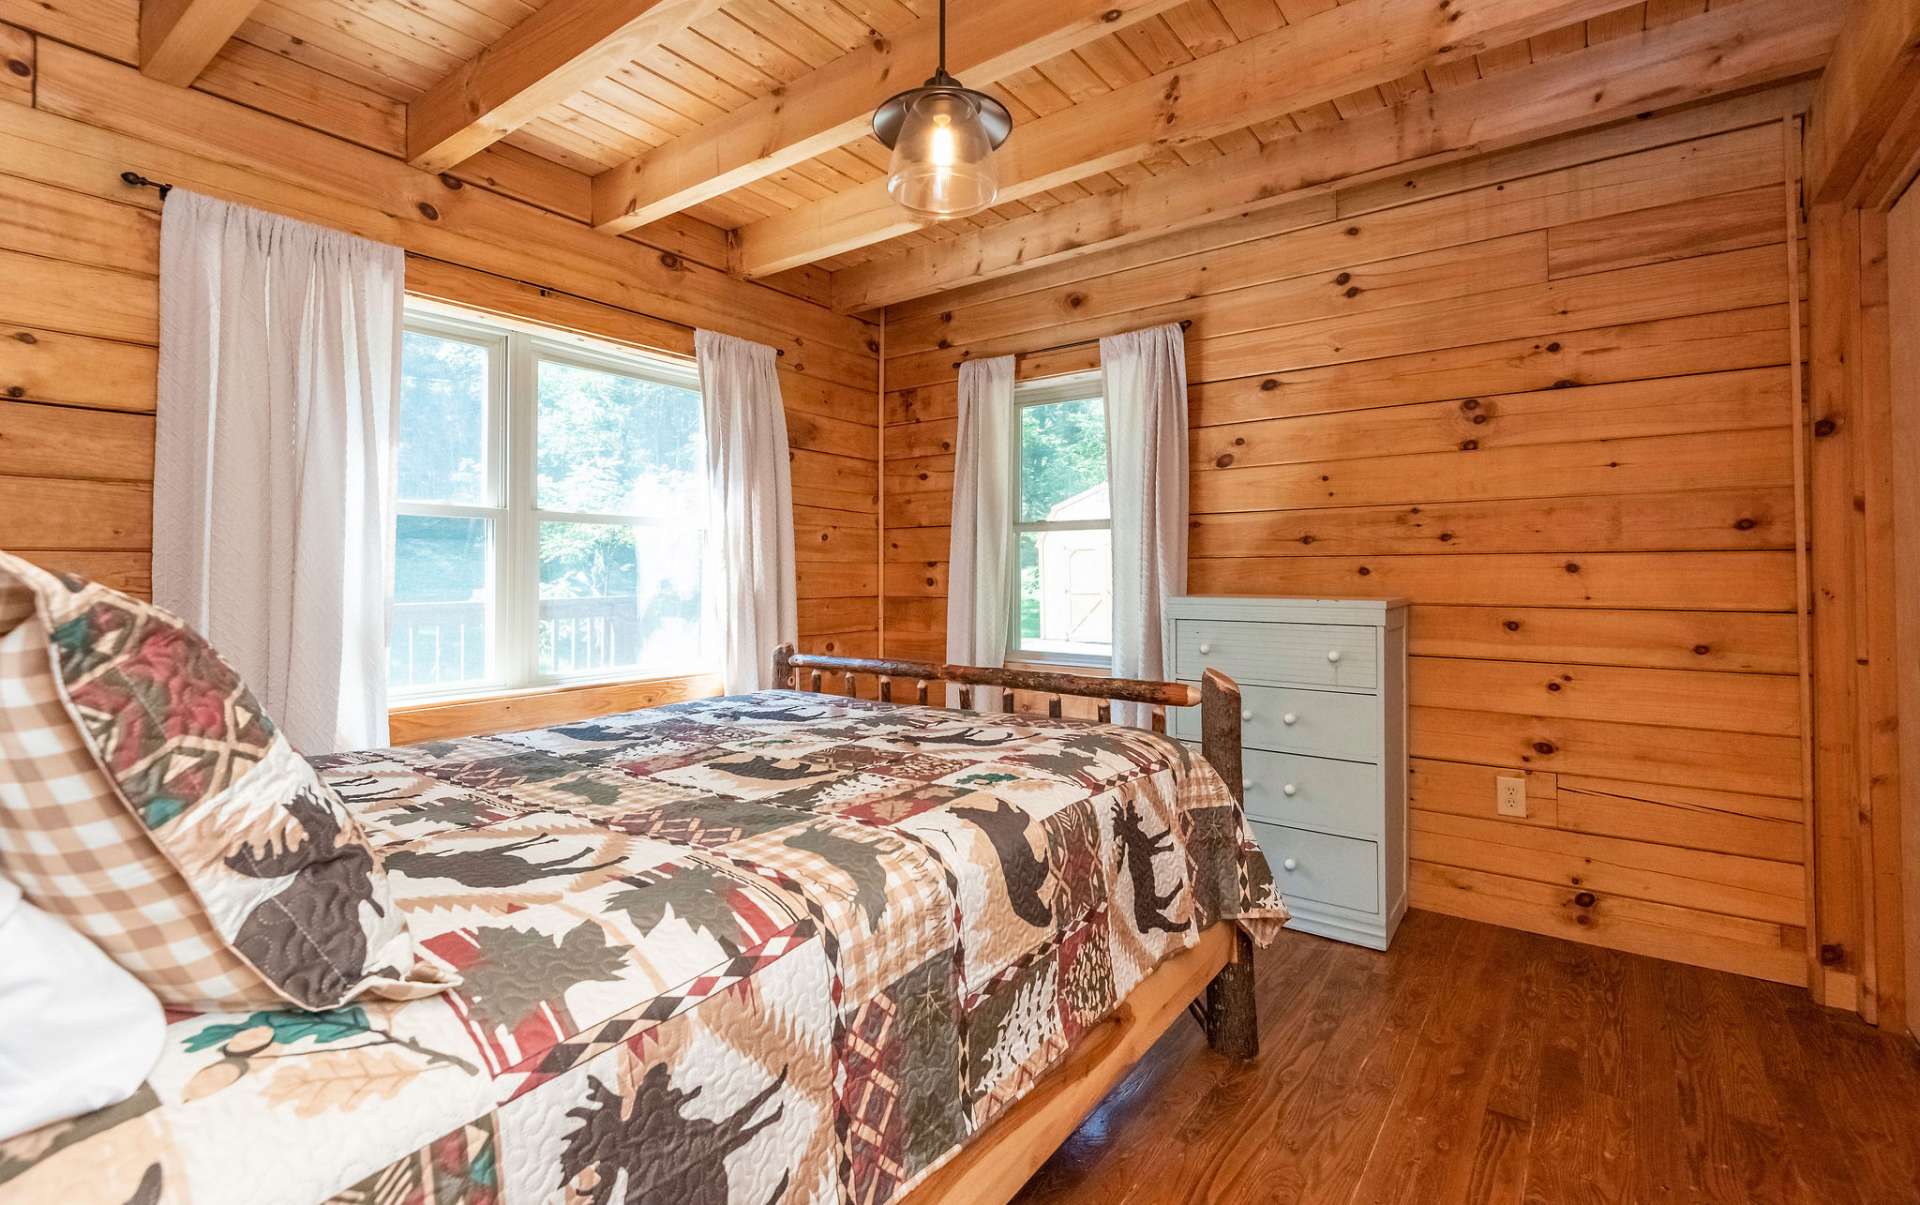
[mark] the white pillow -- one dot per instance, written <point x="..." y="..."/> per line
<point x="77" y="1033"/>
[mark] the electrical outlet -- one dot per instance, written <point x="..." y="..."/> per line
<point x="1510" y="795"/>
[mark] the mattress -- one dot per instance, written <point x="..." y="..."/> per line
<point x="773" y="947"/>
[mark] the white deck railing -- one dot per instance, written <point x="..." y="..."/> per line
<point x="444" y="642"/>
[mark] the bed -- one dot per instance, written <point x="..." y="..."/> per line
<point x="788" y="946"/>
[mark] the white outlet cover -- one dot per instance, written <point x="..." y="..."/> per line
<point x="1510" y="795"/>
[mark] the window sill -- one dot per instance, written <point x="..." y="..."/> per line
<point x="483" y="692"/>
<point x="539" y="706"/>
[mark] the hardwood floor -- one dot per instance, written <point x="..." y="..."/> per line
<point x="1474" y="1063"/>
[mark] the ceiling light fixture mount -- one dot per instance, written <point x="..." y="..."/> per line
<point x="942" y="135"/>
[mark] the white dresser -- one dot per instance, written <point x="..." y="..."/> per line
<point x="1323" y="697"/>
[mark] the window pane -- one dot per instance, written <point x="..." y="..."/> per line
<point x="441" y="619"/>
<point x="614" y="597"/>
<point x="1063" y="461"/>
<point x="616" y="444"/>
<point x="1066" y="592"/>
<point x="443" y="420"/>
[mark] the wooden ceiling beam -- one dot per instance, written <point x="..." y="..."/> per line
<point x="1756" y="42"/>
<point x="1875" y="73"/>
<point x="178" y="38"/>
<point x="539" y="63"/>
<point x="833" y="106"/>
<point x="1317" y="59"/>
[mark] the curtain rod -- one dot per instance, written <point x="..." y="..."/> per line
<point x="1185" y="324"/>
<point x="134" y="179"/>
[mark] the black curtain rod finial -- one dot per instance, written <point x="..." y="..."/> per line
<point x="136" y="180"/>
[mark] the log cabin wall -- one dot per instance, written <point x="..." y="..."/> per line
<point x="1549" y="396"/>
<point x="79" y="304"/>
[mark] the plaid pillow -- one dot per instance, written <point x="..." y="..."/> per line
<point x="146" y="799"/>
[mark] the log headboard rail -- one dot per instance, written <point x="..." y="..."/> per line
<point x="1217" y="696"/>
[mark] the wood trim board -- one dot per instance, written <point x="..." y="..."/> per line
<point x="509" y="711"/>
<point x="1904" y="306"/>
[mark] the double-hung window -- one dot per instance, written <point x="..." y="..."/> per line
<point x="550" y="520"/>
<point x="1063" y="542"/>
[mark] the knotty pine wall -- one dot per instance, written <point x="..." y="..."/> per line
<point x="1547" y="396"/>
<point x="79" y="255"/>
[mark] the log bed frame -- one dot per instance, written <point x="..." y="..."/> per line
<point x="1212" y="981"/>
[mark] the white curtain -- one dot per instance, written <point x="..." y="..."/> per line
<point x="980" y="555"/>
<point x="750" y="588"/>
<point x="1144" y="375"/>
<point x="272" y="531"/>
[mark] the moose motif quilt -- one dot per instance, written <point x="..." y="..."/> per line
<point x="780" y="947"/>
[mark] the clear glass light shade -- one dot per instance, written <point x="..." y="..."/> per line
<point x="943" y="161"/>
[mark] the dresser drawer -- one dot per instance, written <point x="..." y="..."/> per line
<point x="1342" y="871"/>
<point x="1308" y="654"/>
<point x="1340" y="795"/>
<point x="1327" y="722"/>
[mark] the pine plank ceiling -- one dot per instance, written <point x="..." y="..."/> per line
<point x="376" y="59"/>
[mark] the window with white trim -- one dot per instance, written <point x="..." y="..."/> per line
<point x="550" y="510"/>
<point x="1062" y="537"/>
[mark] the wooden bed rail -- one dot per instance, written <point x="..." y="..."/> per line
<point x="1158" y="695"/>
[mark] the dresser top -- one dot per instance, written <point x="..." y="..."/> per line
<point x="1290" y="600"/>
<point x="1389" y="612"/>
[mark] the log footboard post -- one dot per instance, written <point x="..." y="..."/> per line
<point x="1232" y="1016"/>
<point x="1230" y="1013"/>
<point x="782" y="668"/>
<point x="1220" y="729"/>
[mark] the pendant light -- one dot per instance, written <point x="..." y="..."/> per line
<point x="942" y="136"/>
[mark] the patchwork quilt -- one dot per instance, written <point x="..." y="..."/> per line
<point x="780" y="947"/>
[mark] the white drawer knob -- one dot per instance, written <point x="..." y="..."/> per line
<point x="1333" y="654"/>
<point x="1246" y="717"/>
<point x="1288" y="719"/>
<point x="1289" y="789"/>
<point x="1205" y="647"/>
<point x="1249" y="785"/>
<point x="1289" y="864"/>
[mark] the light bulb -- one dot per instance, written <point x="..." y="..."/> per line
<point x="940" y="148"/>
